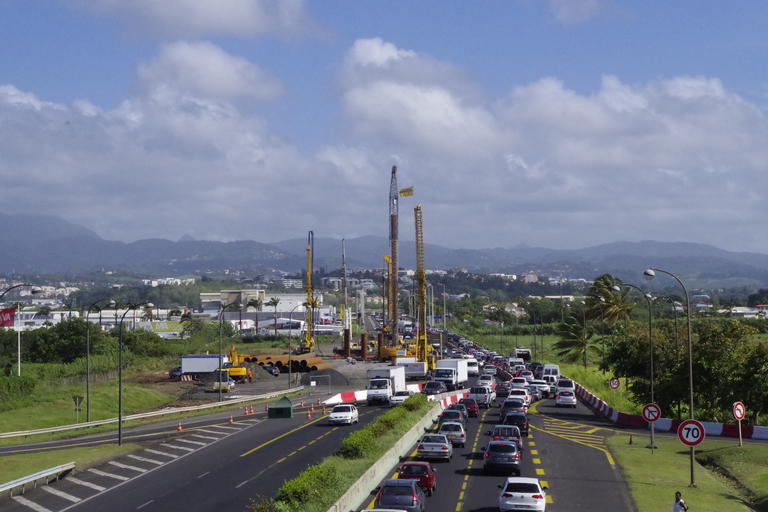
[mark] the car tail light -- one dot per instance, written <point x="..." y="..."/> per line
<point x="487" y="455"/>
<point x="444" y="448"/>
<point x="414" y="497"/>
<point x="538" y="496"/>
<point x="507" y="495"/>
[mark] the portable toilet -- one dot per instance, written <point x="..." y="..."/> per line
<point x="283" y="408"/>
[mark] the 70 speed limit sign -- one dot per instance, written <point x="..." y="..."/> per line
<point x="690" y="432"/>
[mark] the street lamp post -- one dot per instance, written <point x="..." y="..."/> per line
<point x="221" y="349"/>
<point x="35" y="291"/>
<point x="129" y="307"/>
<point x="650" y="273"/>
<point x="88" y="357"/>
<point x="649" y="299"/>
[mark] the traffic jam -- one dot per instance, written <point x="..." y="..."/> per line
<point x="481" y="453"/>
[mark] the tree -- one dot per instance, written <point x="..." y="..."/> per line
<point x="256" y="304"/>
<point x="274" y="301"/>
<point x="607" y="304"/>
<point x="575" y="341"/>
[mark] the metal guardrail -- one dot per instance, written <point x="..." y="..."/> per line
<point x="143" y="415"/>
<point x="32" y="479"/>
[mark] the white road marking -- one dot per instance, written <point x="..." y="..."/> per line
<point x="166" y="454"/>
<point x="126" y="466"/>
<point x="228" y="427"/>
<point x="177" y="447"/>
<point x="211" y="438"/>
<point x="198" y="443"/>
<point x="217" y="432"/>
<point x="31" y="504"/>
<point x="93" y="486"/>
<point x="61" y="494"/>
<point x="144" y="459"/>
<point x="110" y="475"/>
<point x="204" y="474"/>
<point x="144" y="504"/>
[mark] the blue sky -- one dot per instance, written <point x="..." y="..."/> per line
<point x="515" y="119"/>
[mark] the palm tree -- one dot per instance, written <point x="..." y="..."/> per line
<point x="256" y="304"/>
<point x="274" y="301"/>
<point x="608" y="304"/>
<point x="575" y="340"/>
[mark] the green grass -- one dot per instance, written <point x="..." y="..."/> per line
<point x="747" y="464"/>
<point x="654" y="478"/>
<point x="597" y="382"/>
<point x="18" y="466"/>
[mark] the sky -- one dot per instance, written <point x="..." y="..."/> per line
<point x="552" y="123"/>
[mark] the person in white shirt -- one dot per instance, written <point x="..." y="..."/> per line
<point x="679" y="505"/>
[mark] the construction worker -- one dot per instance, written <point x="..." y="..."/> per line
<point x="249" y="376"/>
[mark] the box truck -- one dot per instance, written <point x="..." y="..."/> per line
<point x="198" y="366"/>
<point x="385" y="382"/>
<point x="452" y="372"/>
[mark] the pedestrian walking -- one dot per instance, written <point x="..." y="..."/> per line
<point x="679" y="505"/>
<point x="250" y="376"/>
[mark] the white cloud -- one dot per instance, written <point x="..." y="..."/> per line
<point x="205" y="70"/>
<point x="198" y="18"/>
<point x="570" y="12"/>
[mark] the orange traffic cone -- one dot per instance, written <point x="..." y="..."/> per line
<point x="311" y="408"/>
<point x="178" y="428"/>
<point x="302" y="403"/>
<point x="318" y="402"/>
<point x="231" y="420"/>
<point x="309" y="414"/>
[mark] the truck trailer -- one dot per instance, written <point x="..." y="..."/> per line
<point x="453" y="373"/>
<point x="385" y="382"/>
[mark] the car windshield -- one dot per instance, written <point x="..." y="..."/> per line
<point x="450" y="428"/>
<point x="443" y="373"/>
<point x="502" y="448"/>
<point x="433" y="439"/>
<point x="513" y="403"/>
<point x="515" y="418"/>
<point x="396" y="490"/>
<point x="378" y="384"/>
<point x="478" y="391"/>
<point x="566" y="393"/>
<point x="522" y="488"/>
<point x="506" y="432"/>
<point x="414" y="470"/>
<point x="451" y="414"/>
<point x="432" y="385"/>
<point x="342" y="408"/>
<point x="468" y="401"/>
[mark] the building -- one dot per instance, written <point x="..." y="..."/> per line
<point x="292" y="283"/>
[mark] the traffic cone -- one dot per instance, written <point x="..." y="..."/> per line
<point x="266" y="408"/>
<point x="302" y="403"/>
<point x="178" y="428"/>
<point x="318" y="402"/>
<point x="247" y="411"/>
<point x="309" y="414"/>
<point x="231" y="420"/>
<point x="311" y="408"/>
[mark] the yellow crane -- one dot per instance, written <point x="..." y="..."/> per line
<point x="308" y="344"/>
<point x="423" y="348"/>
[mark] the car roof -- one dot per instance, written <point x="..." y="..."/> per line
<point x="503" y="443"/>
<point x="399" y="482"/>
<point x="452" y="423"/>
<point x="415" y="463"/>
<point x="522" y="480"/>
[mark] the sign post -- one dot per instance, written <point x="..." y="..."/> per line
<point x="739" y="411"/>
<point x="651" y="414"/>
<point x="690" y="433"/>
<point x="78" y="400"/>
<point x="614" y="383"/>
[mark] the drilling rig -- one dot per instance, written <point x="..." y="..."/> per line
<point x="308" y="344"/>
<point x="394" y="194"/>
<point x="423" y="349"/>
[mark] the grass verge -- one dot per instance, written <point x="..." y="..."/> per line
<point x="597" y="382"/>
<point x="321" y="485"/>
<point x="18" y="466"/>
<point x="654" y="478"/>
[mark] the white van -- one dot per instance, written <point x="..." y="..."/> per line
<point x="551" y="369"/>
<point x="473" y="368"/>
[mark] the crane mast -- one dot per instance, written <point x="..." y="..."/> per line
<point x="422" y="346"/>
<point x="310" y="304"/>
<point x="393" y="249"/>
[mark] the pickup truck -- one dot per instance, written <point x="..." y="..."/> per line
<point x="484" y="396"/>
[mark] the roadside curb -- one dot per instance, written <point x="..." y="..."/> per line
<point x="362" y="488"/>
<point x="664" y="424"/>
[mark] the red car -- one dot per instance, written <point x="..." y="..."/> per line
<point x="472" y="408"/>
<point x="421" y="471"/>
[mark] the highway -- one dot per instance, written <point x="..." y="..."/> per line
<point x="208" y="467"/>
<point x="565" y="452"/>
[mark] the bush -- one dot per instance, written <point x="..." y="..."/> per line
<point x="357" y="444"/>
<point x="14" y="389"/>
<point x="416" y="402"/>
<point x="308" y="487"/>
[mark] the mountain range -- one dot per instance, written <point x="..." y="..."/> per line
<point x="47" y="245"/>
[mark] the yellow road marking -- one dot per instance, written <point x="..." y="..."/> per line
<point x="281" y="436"/>
<point x="536" y="460"/>
<point x="281" y="460"/>
<point x="534" y="452"/>
<point x="531" y="443"/>
<point x="539" y="471"/>
<point x="590" y="431"/>
<point x="544" y="483"/>
<point x="548" y="499"/>
<point x="606" y="452"/>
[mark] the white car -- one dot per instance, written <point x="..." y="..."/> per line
<point x="486" y="380"/>
<point x="489" y="369"/>
<point x="345" y="413"/>
<point x="400" y="397"/>
<point x="520" y="493"/>
<point x="565" y="398"/>
<point x="520" y="393"/>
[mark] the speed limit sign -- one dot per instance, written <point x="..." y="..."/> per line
<point x="690" y="432"/>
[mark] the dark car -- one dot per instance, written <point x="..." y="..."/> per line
<point x="401" y="494"/>
<point x="512" y="405"/>
<point x="472" y="408"/>
<point x="507" y="433"/>
<point x="422" y="472"/>
<point x="175" y="373"/>
<point x="434" y="387"/>
<point x="502" y="389"/>
<point x="453" y="416"/>
<point x="518" y="419"/>
<point x="502" y="456"/>
<point x="459" y="407"/>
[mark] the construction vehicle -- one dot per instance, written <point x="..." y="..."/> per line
<point x="236" y="367"/>
<point x="424" y="351"/>
<point x="307" y="345"/>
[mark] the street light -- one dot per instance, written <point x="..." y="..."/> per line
<point x="35" y="290"/>
<point x="129" y="307"/>
<point x="221" y="349"/>
<point x="648" y="298"/>
<point x="650" y="273"/>
<point x="88" y="356"/>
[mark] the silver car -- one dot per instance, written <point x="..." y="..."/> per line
<point x="434" y="446"/>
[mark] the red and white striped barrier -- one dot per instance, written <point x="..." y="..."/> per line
<point x="665" y="424"/>
<point x="348" y="397"/>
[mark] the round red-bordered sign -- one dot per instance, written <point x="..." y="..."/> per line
<point x="691" y="432"/>
<point x="614" y="383"/>
<point x="739" y="411"/>
<point x="651" y="413"/>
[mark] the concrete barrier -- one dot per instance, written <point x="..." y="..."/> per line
<point x="358" y="492"/>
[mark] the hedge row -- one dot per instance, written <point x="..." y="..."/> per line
<point x="321" y="485"/>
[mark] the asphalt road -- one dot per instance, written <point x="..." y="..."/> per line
<point x="212" y="467"/>
<point x="566" y="454"/>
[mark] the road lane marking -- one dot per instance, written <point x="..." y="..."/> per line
<point x="227" y="427"/>
<point x="61" y="494"/>
<point x="127" y="466"/>
<point x="281" y="460"/>
<point x="605" y="452"/>
<point x="145" y="459"/>
<point x="144" y="504"/>
<point x="210" y="438"/>
<point x="282" y="436"/>
<point x="204" y="474"/>
<point x="593" y="430"/>
<point x="198" y="443"/>
<point x="177" y="447"/>
<point x="28" y="503"/>
<point x="536" y="460"/>
<point x="110" y="475"/>
<point x="158" y="452"/>
<point x="215" y="432"/>
<point x="544" y="483"/>
<point x="93" y="486"/>
<point x="534" y="452"/>
<point x="539" y="471"/>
